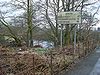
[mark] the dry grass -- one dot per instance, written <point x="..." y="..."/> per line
<point x="29" y="62"/>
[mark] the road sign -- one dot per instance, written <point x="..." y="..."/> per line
<point x="71" y="17"/>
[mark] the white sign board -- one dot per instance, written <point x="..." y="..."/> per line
<point x="71" y="17"/>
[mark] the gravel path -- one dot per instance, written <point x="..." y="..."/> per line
<point x="86" y="66"/>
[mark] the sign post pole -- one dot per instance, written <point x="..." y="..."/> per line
<point x="75" y="39"/>
<point x="61" y="36"/>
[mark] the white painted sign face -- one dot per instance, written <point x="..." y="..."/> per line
<point x="71" y="17"/>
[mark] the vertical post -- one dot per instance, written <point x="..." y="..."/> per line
<point x="62" y="42"/>
<point x="61" y="36"/>
<point x="80" y="27"/>
<point x="33" y="64"/>
<point x="75" y="39"/>
<point x="51" y="66"/>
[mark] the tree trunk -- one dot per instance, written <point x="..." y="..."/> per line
<point x="29" y="23"/>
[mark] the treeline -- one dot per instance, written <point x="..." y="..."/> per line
<point x="39" y="20"/>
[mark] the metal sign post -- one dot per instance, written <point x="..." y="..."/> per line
<point x="75" y="39"/>
<point x="61" y="36"/>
